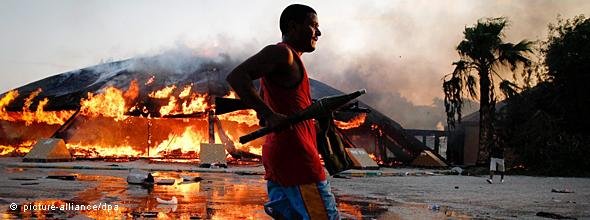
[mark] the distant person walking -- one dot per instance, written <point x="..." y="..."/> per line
<point x="496" y="163"/>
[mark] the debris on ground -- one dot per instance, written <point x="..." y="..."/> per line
<point x="245" y="173"/>
<point x="562" y="190"/>
<point x="213" y="165"/>
<point x="434" y="207"/>
<point x="28" y="184"/>
<point x="553" y="215"/>
<point x="24" y="179"/>
<point x="165" y="181"/>
<point x="137" y="176"/>
<point x="172" y="201"/>
<point x="340" y="176"/>
<point x="191" y="178"/>
<point x="457" y="171"/>
<point x="63" y="177"/>
<point x="145" y="214"/>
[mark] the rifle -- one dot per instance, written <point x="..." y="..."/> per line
<point x="322" y="107"/>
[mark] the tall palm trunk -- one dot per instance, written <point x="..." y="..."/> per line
<point x="486" y="116"/>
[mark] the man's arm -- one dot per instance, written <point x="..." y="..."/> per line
<point x="271" y="59"/>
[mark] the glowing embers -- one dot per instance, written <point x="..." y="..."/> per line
<point x="16" y="150"/>
<point x="355" y="122"/>
<point x="94" y="151"/>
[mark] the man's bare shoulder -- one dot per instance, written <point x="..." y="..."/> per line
<point x="278" y="53"/>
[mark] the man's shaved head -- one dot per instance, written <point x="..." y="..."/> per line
<point x="295" y="12"/>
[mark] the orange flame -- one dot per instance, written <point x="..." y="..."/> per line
<point x="27" y="115"/>
<point x="163" y="93"/>
<point x="165" y="110"/>
<point x="186" y="91"/>
<point x="132" y="92"/>
<point x="372" y="156"/>
<point x="20" y="149"/>
<point x="247" y="117"/>
<point x="352" y="123"/>
<point x="9" y="97"/>
<point x="111" y="103"/>
<point x="4" y="150"/>
<point x="58" y="117"/>
<point x="197" y="104"/>
<point x="39" y="115"/>
<point x="189" y="140"/>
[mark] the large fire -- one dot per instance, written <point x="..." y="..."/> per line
<point x="97" y="137"/>
<point x="105" y="126"/>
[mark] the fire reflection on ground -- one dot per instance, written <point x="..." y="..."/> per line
<point x="211" y="196"/>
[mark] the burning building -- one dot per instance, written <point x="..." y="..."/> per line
<point x="144" y="108"/>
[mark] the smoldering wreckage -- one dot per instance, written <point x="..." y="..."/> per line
<point x="140" y="109"/>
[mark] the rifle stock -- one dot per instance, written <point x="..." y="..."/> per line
<point x="226" y="105"/>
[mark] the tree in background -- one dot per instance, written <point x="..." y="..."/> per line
<point x="567" y="56"/>
<point x="484" y="57"/>
<point x="548" y="125"/>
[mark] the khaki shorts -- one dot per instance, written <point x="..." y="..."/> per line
<point x="497" y="161"/>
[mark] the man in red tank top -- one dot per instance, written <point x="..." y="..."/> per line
<point x="296" y="181"/>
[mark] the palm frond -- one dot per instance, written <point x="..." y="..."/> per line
<point x="471" y="85"/>
<point x="509" y="89"/>
<point x="453" y="100"/>
<point x="513" y="54"/>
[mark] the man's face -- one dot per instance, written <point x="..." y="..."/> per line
<point x="307" y="33"/>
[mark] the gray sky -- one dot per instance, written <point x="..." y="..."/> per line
<point x="396" y="48"/>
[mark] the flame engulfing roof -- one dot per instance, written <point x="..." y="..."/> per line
<point x="156" y="87"/>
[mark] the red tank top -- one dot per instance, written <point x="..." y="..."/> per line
<point x="290" y="157"/>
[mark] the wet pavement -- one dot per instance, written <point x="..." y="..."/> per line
<point x="238" y="192"/>
<point x="215" y="196"/>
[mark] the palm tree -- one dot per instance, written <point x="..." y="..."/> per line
<point x="483" y="56"/>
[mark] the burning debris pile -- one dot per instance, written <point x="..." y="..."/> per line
<point x="142" y="108"/>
